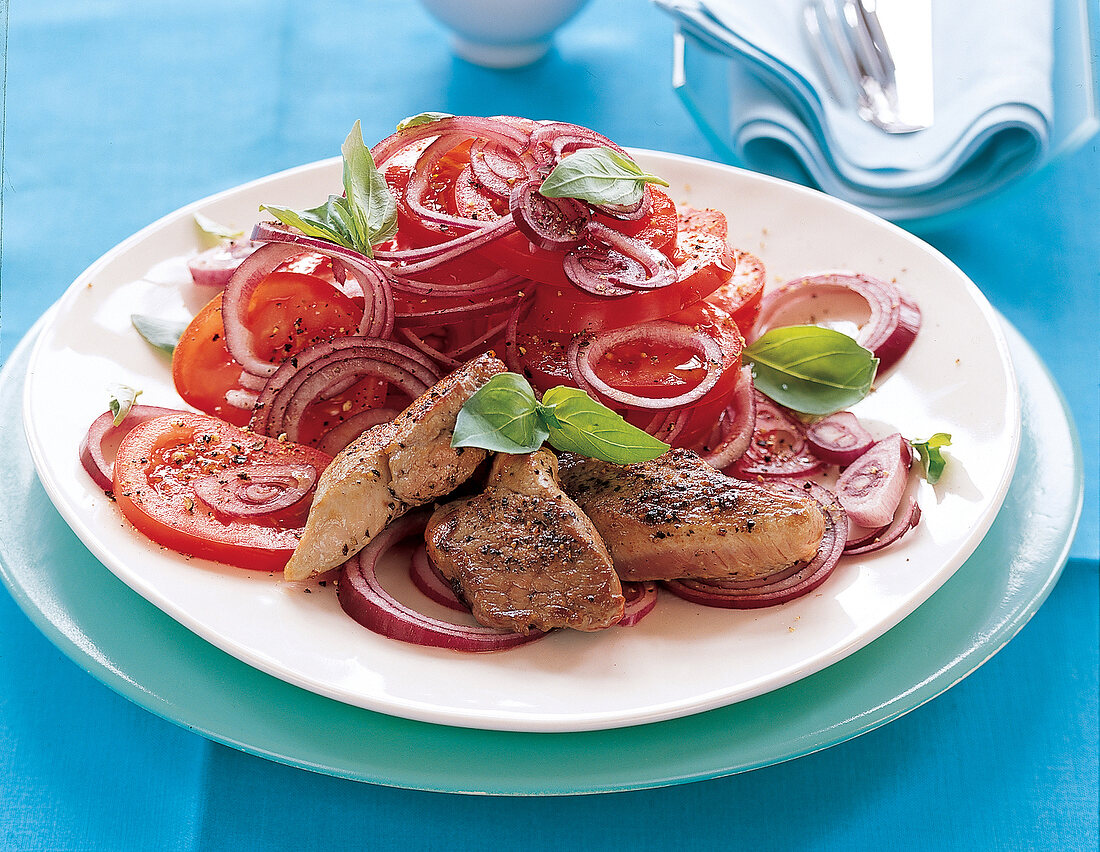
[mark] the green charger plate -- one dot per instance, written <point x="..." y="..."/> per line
<point x="143" y="654"/>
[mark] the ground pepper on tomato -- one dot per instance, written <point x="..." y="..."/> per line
<point x="157" y="470"/>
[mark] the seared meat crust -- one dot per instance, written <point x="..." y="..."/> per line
<point x="388" y="470"/>
<point x="523" y="555"/>
<point x="678" y="517"/>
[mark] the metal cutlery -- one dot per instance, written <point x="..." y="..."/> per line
<point x="889" y="81"/>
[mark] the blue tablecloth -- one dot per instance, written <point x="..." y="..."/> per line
<point x="117" y="113"/>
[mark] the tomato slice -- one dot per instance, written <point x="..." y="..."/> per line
<point x="740" y="297"/>
<point x="289" y="311"/>
<point x="704" y="262"/>
<point x="516" y="254"/>
<point x="158" y="465"/>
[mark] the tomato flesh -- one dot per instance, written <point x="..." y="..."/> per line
<point x="288" y="312"/>
<point x="157" y="464"/>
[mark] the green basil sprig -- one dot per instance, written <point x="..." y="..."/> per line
<point x="421" y="118"/>
<point x="811" y="369"/>
<point x="365" y="215"/>
<point x="121" y="399"/>
<point x="159" y="333"/>
<point x="504" y="416"/>
<point x="931" y="455"/>
<point x="598" y="176"/>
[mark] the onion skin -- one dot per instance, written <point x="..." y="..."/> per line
<point x="98" y="446"/>
<point x="870" y="488"/>
<point x="839" y="438"/>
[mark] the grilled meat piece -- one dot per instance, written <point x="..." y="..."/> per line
<point x="678" y="517"/>
<point x="523" y="555"/>
<point x="388" y="470"/>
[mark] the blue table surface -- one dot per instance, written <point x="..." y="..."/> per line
<point x="119" y="112"/>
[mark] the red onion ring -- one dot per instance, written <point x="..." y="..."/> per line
<point x="551" y="140"/>
<point x="496" y="167"/>
<point x="734" y="430"/>
<point x="315" y="371"/>
<point x="614" y="264"/>
<point x="871" y="487"/>
<point x="342" y="434"/>
<point x="215" y="266"/>
<point x="378" y="313"/>
<point x="778" y="447"/>
<point x="585" y="350"/>
<point x="787" y="585"/>
<point x="839" y="438"/>
<point x="100" y="443"/>
<point x="555" y="224"/>
<point x="905" y="519"/>
<point x="362" y="596"/>
<point x="510" y="138"/>
<point x="412" y="262"/>
<point x="426" y="577"/>
<point x="641" y="598"/>
<point x="889" y="331"/>
<point x="250" y="491"/>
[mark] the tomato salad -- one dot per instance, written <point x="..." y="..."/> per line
<point x="541" y="241"/>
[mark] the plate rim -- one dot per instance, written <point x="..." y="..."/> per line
<point x="941" y="678"/>
<point x="602" y="719"/>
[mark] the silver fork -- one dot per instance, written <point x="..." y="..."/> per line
<point x="848" y="41"/>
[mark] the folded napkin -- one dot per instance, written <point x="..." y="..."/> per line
<point x="992" y="65"/>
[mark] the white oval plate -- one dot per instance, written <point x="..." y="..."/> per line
<point x="682" y="658"/>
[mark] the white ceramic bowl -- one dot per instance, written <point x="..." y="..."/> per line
<point x="502" y="33"/>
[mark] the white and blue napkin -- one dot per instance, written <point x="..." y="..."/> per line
<point x="994" y="103"/>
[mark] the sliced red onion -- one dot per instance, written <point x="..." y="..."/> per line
<point x="430" y="581"/>
<point x="778" y="447"/>
<point x="496" y="167"/>
<point x="215" y="266"/>
<point x="889" y="331"/>
<point x="734" y="430"/>
<point x="413" y="262"/>
<point x="342" y="434"/>
<point x="308" y="376"/>
<point x="641" y="598"/>
<point x="786" y="585"/>
<point x="378" y="314"/>
<point x="615" y="264"/>
<point x="510" y="137"/>
<point x="100" y="443"/>
<point x="552" y="140"/>
<point x="870" y="488"/>
<point x="555" y="224"/>
<point x="501" y="281"/>
<point x="667" y="424"/>
<point x="585" y="351"/>
<point x="905" y="519"/>
<point x="629" y="212"/>
<point x="839" y="438"/>
<point x="438" y="317"/>
<point x="363" y="598"/>
<point x="249" y="491"/>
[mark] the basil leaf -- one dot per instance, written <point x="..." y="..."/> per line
<point x="501" y="416"/>
<point x="369" y="201"/>
<point x="121" y="400"/>
<point x="931" y="457"/>
<point x="421" y="118"/>
<point x="215" y="232"/>
<point x="159" y="333"/>
<point x="317" y="222"/>
<point x="582" y="425"/>
<point x="811" y="369"/>
<point x="598" y="176"/>
<point x="365" y="215"/>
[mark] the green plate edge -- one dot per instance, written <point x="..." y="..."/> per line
<point x="141" y="653"/>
